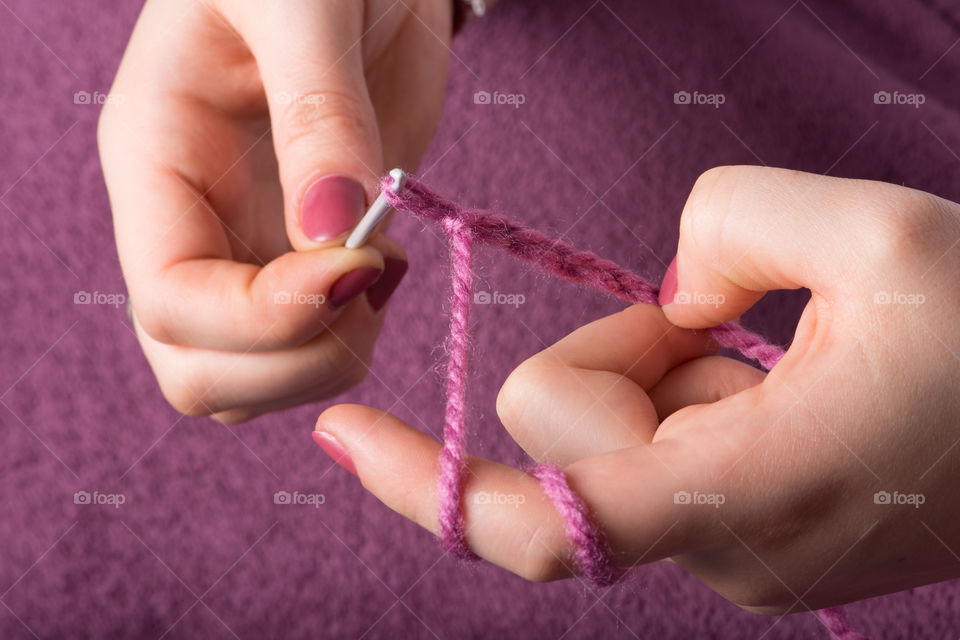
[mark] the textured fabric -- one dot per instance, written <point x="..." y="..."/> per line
<point x="835" y="619"/>
<point x="82" y="412"/>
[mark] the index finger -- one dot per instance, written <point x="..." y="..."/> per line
<point x="186" y="287"/>
<point x="509" y="520"/>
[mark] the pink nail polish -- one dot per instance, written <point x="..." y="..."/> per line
<point x="352" y="284"/>
<point x="331" y="207"/>
<point x="393" y="272"/>
<point x="668" y="288"/>
<point x="335" y="450"/>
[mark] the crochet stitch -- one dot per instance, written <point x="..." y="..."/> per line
<point x="463" y="228"/>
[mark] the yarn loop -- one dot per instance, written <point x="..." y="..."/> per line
<point x="466" y="227"/>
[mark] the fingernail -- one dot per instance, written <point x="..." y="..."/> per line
<point x="331" y="207"/>
<point x="335" y="450"/>
<point x="352" y="284"/>
<point x="668" y="288"/>
<point x="393" y="271"/>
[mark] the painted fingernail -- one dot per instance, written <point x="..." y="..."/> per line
<point x="393" y="271"/>
<point x="331" y="207"/>
<point x="352" y="284"/>
<point x="335" y="450"/>
<point x="668" y="288"/>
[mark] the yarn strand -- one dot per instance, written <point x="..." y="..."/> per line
<point x="835" y="620"/>
<point x="590" y="552"/>
<point x="453" y="457"/>
<point x="464" y="228"/>
<point x="564" y="261"/>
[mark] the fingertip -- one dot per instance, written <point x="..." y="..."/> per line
<point x="702" y="381"/>
<point x="394" y="461"/>
<point x="327" y="208"/>
<point x="345" y="417"/>
<point x="705" y="307"/>
<point x="380" y="441"/>
<point x="333" y="448"/>
<point x="668" y="288"/>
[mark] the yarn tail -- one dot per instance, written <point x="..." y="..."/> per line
<point x="835" y="619"/>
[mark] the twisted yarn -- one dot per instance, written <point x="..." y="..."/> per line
<point x="453" y="457"/>
<point x="464" y="228"/>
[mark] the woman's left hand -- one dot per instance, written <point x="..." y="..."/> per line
<point x="830" y="479"/>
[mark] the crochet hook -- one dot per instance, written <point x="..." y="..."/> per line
<point x="376" y="213"/>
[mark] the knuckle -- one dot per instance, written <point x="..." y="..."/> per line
<point x="707" y="206"/>
<point x="180" y="394"/>
<point x="514" y="395"/>
<point x="280" y="319"/>
<point x="283" y="328"/>
<point x="153" y="318"/>
<point x="539" y="563"/>
<point x="325" y="115"/>
<point x="904" y="227"/>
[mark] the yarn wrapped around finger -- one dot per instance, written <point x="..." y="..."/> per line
<point x="465" y="228"/>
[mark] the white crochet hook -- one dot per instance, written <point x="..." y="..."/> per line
<point x="376" y="213"/>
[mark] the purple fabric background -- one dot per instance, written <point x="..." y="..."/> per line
<point x="81" y="410"/>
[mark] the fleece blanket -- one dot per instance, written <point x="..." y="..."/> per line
<point x="589" y="119"/>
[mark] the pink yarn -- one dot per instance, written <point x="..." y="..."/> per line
<point x="463" y="227"/>
<point x="564" y="261"/>
<point x="453" y="457"/>
<point x="835" y="619"/>
<point x="590" y="551"/>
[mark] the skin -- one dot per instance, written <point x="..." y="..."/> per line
<point x="635" y="407"/>
<point x="206" y="166"/>
<point x="206" y="169"/>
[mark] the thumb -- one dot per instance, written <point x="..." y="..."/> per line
<point x="324" y="126"/>
<point x="747" y="230"/>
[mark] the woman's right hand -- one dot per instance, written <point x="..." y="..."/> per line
<point x="241" y="142"/>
